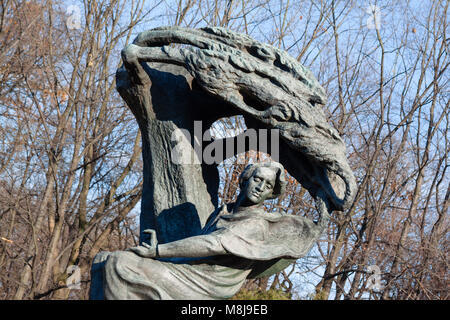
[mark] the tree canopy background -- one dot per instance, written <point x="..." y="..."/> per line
<point x="70" y="153"/>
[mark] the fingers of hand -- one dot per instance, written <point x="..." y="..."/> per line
<point x="146" y="245"/>
<point x="141" y="251"/>
<point x="153" y="239"/>
<point x="152" y="233"/>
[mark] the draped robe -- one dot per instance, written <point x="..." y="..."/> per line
<point x="253" y="240"/>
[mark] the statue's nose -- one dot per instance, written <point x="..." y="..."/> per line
<point x="260" y="186"/>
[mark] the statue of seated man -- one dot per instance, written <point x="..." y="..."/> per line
<point x="236" y="240"/>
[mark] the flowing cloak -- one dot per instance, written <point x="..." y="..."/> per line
<point x="253" y="239"/>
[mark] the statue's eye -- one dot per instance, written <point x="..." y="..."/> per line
<point x="268" y="186"/>
<point x="256" y="179"/>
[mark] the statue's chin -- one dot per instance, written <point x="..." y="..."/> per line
<point x="254" y="199"/>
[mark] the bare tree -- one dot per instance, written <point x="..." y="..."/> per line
<point x="70" y="163"/>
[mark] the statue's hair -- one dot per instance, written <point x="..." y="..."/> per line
<point x="280" y="181"/>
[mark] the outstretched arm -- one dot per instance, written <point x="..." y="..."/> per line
<point x="192" y="247"/>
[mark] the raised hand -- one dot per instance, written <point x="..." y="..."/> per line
<point x="147" y="250"/>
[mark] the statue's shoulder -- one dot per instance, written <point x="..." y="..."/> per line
<point x="274" y="215"/>
<point x="222" y="210"/>
<point x="256" y="213"/>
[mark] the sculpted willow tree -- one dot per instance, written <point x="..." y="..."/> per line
<point x="221" y="73"/>
<point x="174" y="76"/>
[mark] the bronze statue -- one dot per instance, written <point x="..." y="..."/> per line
<point x="238" y="238"/>
<point x="173" y="77"/>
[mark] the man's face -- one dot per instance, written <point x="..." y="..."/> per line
<point x="260" y="185"/>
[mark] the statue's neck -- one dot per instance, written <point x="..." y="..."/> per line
<point x="241" y="209"/>
<point x="241" y="205"/>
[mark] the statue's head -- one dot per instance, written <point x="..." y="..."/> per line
<point x="262" y="181"/>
